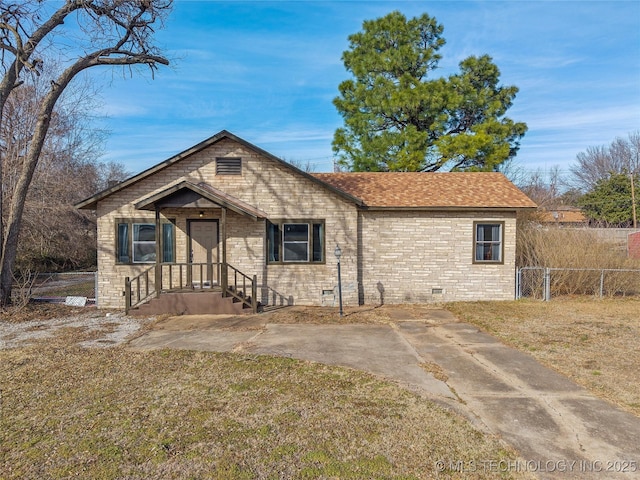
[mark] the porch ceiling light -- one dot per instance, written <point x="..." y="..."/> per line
<point x="201" y="213"/>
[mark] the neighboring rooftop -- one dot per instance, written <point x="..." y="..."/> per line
<point x="565" y="215"/>
<point x="430" y="190"/>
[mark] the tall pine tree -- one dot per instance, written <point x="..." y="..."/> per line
<point x="398" y="118"/>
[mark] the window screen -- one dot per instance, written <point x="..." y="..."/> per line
<point x="295" y="242"/>
<point x="144" y="242"/>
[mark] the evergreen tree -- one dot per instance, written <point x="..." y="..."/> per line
<point x="398" y="118"/>
<point x="610" y="201"/>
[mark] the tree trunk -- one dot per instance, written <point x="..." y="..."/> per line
<point x="16" y="208"/>
<point x="9" y="234"/>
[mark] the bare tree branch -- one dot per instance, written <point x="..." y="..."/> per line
<point x="600" y="162"/>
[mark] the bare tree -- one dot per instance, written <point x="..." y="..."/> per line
<point x="598" y="163"/>
<point x="109" y="32"/>
<point x="53" y="234"/>
<point x="544" y="188"/>
<point x="304" y="165"/>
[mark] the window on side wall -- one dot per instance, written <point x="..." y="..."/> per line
<point x="296" y="241"/>
<point x="488" y="242"/>
<point x="136" y="242"/>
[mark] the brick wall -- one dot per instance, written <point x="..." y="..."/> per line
<point x="634" y="245"/>
<point x="428" y="257"/>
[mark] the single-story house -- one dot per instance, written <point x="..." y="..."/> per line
<point x="227" y="215"/>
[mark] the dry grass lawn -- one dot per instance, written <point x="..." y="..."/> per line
<point x="68" y="411"/>
<point x="595" y="342"/>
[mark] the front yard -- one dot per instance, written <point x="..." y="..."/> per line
<point x="113" y="413"/>
<point x="107" y="413"/>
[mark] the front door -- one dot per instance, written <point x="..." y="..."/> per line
<point x="204" y="253"/>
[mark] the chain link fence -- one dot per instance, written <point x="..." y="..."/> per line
<point x="545" y="283"/>
<point x="55" y="287"/>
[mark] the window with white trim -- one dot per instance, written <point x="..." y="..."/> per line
<point x="295" y="241"/>
<point x="488" y="242"/>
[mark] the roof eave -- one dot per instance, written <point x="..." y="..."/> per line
<point x="149" y="202"/>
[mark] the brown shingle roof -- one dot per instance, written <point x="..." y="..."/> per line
<point x="430" y="190"/>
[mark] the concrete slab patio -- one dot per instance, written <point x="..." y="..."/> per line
<point x="560" y="429"/>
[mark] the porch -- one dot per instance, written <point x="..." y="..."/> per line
<point x="199" y="265"/>
<point x="192" y="288"/>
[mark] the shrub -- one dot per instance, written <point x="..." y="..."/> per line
<point x="582" y="251"/>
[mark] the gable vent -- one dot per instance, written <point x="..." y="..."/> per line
<point x="228" y="166"/>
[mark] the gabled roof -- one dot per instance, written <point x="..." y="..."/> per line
<point x="412" y="190"/>
<point x="92" y="202"/>
<point x="567" y="215"/>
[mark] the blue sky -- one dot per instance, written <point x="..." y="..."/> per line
<point x="269" y="70"/>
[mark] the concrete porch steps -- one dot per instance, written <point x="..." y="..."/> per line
<point x="191" y="303"/>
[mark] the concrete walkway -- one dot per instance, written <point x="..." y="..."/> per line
<point x="560" y="430"/>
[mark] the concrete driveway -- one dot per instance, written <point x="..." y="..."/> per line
<point x="560" y="430"/>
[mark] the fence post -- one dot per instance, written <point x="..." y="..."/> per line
<point x="547" y="284"/>
<point x="518" y="280"/>
<point x="601" y="282"/>
<point x="95" y="288"/>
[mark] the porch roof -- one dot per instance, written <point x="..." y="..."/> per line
<point x="174" y="196"/>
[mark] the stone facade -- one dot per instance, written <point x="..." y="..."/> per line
<point x="389" y="255"/>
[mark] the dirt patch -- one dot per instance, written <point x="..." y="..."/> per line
<point x="365" y="314"/>
<point x="62" y="325"/>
